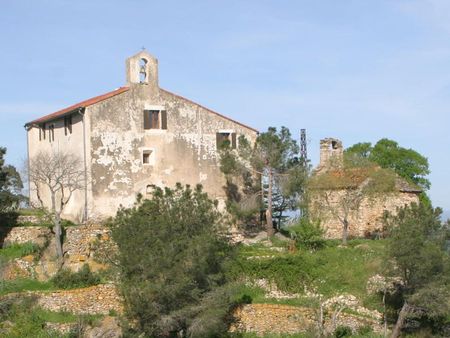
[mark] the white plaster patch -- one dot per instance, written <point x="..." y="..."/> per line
<point x="168" y="171"/>
<point x="188" y="112"/>
<point x="207" y="143"/>
<point x="117" y="148"/>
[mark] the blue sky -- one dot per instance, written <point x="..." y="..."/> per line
<point x="358" y="70"/>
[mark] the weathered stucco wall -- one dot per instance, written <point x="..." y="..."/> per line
<point x="70" y="143"/>
<point x="367" y="220"/>
<point x="185" y="152"/>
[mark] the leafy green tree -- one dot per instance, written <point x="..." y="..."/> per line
<point x="417" y="252"/>
<point x="172" y="260"/>
<point x="10" y="185"/>
<point x="274" y="161"/>
<point x="407" y="163"/>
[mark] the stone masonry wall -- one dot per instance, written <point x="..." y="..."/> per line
<point x="286" y="319"/>
<point x="82" y="242"/>
<point x="21" y="235"/>
<point x="369" y="217"/>
<point x="82" y="245"/>
<point x="99" y="299"/>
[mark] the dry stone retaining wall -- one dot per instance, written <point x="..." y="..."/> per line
<point x="285" y="319"/>
<point x="21" y="235"/>
<point x="82" y="242"/>
<point x="99" y="299"/>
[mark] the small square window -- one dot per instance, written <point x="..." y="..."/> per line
<point x="147" y="156"/>
<point x="226" y="140"/>
<point x="155" y="119"/>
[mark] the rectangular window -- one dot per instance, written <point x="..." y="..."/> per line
<point x="155" y="119"/>
<point x="147" y="156"/>
<point x="67" y="125"/>
<point x="226" y="139"/>
<point x="42" y="131"/>
<point x="51" y="133"/>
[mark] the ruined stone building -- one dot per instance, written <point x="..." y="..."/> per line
<point x="367" y="220"/>
<point x="134" y="137"/>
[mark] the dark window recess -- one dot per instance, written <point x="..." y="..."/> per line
<point x="67" y="125"/>
<point x="163" y="119"/>
<point x="146" y="156"/>
<point x="226" y="140"/>
<point x="151" y="119"/>
<point x="51" y="133"/>
<point x="42" y="132"/>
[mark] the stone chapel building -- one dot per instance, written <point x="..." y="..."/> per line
<point x="134" y="137"/>
<point x="367" y="221"/>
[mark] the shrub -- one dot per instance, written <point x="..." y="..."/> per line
<point x="171" y="258"/>
<point x="365" y="330"/>
<point x="342" y="331"/>
<point x="66" y="279"/>
<point x="308" y="234"/>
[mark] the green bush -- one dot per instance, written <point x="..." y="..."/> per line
<point x="172" y="262"/>
<point x="342" y="331"/>
<point x="66" y="279"/>
<point x="365" y="330"/>
<point x="308" y="234"/>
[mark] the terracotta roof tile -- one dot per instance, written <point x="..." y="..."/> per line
<point x="82" y="104"/>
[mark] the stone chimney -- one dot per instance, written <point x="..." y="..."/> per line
<point x="331" y="154"/>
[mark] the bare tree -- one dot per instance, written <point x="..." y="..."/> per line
<point x="59" y="175"/>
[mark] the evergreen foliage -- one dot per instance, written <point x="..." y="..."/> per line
<point x="273" y="160"/>
<point x="172" y="261"/>
<point x="417" y="245"/>
<point x="10" y="185"/>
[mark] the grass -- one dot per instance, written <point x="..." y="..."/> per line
<point x="332" y="270"/>
<point x="254" y="335"/>
<point x="18" y="250"/>
<point x="31" y="212"/>
<point x="24" y="284"/>
<point x="62" y="317"/>
<point x="29" y="320"/>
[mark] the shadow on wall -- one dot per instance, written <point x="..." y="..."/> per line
<point x="8" y="220"/>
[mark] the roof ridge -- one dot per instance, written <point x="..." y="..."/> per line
<point x="210" y="110"/>
<point x="81" y="104"/>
